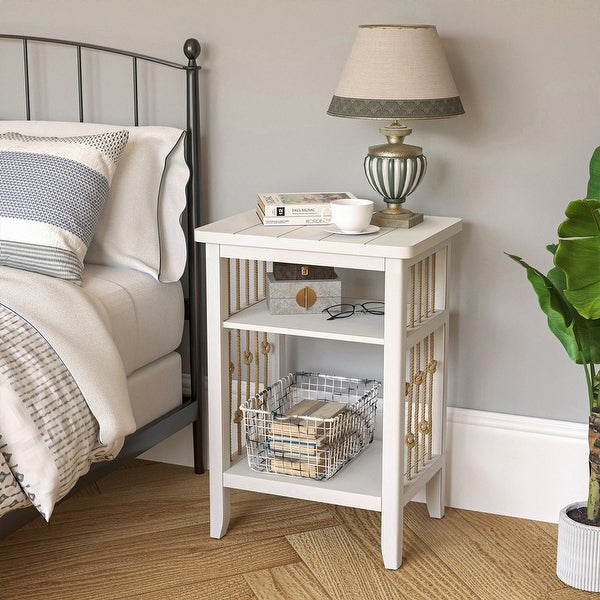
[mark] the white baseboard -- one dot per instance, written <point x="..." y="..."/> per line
<point x="517" y="466"/>
<point x="501" y="464"/>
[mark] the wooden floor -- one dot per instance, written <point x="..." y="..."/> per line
<point x="142" y="532"/>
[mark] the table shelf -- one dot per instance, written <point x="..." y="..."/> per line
<point x="360" y="328"/>
<point x="357" y="484"/>
<point x="363" y="328"/>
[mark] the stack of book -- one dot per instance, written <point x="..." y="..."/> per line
<point x="299" y="445"/>
<point x="297" y="208"/>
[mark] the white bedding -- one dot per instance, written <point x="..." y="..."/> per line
<point x="67" y="318"/>
<point x="144" y="316"/>
<point x="62" y="407"/>
<point x="155" y="389"/>
<point x="104" y="360"/>
<point x="127" y="319"/>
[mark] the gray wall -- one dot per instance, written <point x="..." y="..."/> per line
<point x="528" y="76"/>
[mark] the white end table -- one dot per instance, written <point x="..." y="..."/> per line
<point x="411" y="453"/>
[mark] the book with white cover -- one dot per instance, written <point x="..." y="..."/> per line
<point x="292" y="204"/>
<point x="294" y="220"/>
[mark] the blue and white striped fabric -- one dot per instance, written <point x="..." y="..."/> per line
<point x="52" y="192"/>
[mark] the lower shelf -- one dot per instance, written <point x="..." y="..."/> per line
<point x="357" y="484"/>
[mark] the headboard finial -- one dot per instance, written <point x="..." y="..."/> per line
<point x="192" y="48"/>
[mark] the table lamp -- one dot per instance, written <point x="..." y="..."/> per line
<point x="396" y="72"/>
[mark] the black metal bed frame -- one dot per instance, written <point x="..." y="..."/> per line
<point x="190" y="410"/>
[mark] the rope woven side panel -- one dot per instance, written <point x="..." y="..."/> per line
<point x="248" y="356"/>
<point x="422" y="365"/>
<point x="431" y="369"/>
<point x="248" y="351"/>
<point x="409" y="438"/>
<point x="229" y="345"/>
<point x="237" y="418"/>
<point x="256" y="347"/>
<point x="433" y="275"/>
<point x="420" y="395"/>
<point x="422" y="290"/>
<point x="265" y="345"/>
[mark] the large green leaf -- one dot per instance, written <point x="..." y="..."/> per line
<point x="593" y="190"/>
<point x="578" y="255"/>
<point x="590" y="339"/>
<point x="555" y="307"/>
<point x="585" y="331"/>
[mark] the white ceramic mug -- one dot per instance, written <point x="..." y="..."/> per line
<point x="351" y="215"/>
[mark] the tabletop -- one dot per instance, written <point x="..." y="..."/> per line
<point x="246" y="230"/>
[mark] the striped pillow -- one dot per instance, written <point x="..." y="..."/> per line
<point x="52" y="192"/>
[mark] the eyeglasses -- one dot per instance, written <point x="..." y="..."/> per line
<point x="342" y="311"/>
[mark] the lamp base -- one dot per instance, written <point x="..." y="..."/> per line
<point x="400" y="218"/>
<point x="394" y="170"/>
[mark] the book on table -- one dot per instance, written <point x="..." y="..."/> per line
<point x="297" y="220"/>
<point x="294" y="204"/>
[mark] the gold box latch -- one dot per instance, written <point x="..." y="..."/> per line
<point x="306" y="297"/>
<point x="304" y="271"/>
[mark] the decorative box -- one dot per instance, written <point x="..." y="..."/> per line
<point x="291" y="297"/>
<point x="294" y="271"/>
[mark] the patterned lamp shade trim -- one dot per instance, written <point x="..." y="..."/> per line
<point x="396" y="72"/>
<point x="361" y="108"/>
<point x="395" y="178"/>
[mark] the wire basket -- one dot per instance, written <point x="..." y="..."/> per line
<point x="309" y="424"/>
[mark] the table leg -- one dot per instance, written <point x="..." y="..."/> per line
<point x="219" y="432"/>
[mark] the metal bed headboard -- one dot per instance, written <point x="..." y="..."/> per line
<point x="191" y="50"/>
<point x="196" y="284"/>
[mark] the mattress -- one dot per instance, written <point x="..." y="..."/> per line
<point x="144" y="316"/>
<point x="155" y="389"/>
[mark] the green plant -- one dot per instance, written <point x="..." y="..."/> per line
<point x="569" y="295"/>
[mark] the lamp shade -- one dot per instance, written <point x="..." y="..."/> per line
<point x="396" y="72"/>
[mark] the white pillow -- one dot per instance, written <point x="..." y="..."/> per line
<point x="52" y="192"/>
<point x="140" y="227"/>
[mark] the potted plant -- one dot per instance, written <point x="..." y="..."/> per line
<point x="569" y="295"/>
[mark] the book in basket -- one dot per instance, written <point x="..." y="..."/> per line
<point x="299" y="468"/>
<point x="296" y="425"/>
<point x="295" y="204"/>
<point x="298" y="443"/>
<point x="296" y="446"/>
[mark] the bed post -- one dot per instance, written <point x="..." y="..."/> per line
<point x="196" y="281"/>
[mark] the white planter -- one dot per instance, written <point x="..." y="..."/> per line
<point x="578" y="556"/>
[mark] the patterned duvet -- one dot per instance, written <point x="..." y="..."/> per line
<point x="49" y="433"/>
